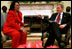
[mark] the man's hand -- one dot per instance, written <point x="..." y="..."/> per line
<point x="51" y="21"/>
<point x="62" y="26"/>
<point x="40" y="16"/>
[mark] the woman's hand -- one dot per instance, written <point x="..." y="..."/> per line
<point x="25" y="24"/>
<point x="24" y="30"/>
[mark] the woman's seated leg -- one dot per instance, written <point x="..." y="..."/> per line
<point x="15" y="35"/>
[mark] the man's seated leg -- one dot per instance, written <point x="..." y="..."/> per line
<point x="56" y="31"/>
<point x="50" y="40"/>
<point x="43" y="31"/>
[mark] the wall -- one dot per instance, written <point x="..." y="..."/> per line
<point x="7" y="3"/>
<point x="66" y="3"/>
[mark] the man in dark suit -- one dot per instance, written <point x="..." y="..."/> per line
<point x="59" y="23"/>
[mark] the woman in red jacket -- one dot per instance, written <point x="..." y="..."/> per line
<point x="12" y="26"/>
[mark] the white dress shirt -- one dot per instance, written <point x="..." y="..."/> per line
<point x="61" y="15"/>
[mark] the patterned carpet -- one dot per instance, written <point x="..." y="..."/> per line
<point x="7" y="44"/>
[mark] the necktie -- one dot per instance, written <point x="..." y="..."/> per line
<point x="58" y="18"/>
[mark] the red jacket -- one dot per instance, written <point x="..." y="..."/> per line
<point x="13" y="21"/>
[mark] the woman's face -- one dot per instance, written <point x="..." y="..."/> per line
<point x="16" y="6"/>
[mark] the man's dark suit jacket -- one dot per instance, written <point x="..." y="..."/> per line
<point x="66" y="19"/>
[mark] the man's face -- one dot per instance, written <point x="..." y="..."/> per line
<point x="59" y="9"/>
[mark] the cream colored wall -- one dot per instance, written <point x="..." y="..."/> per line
<point x="5" y="3"/>
<point x="65" y="3"/>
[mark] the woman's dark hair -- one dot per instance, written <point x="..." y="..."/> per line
<point x="12" y="5"/>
